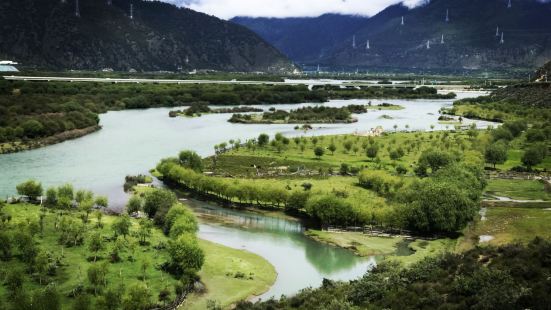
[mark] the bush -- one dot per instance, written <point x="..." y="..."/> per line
<point x="330" y="210"/>
<point x="440" y="207"/>
<point x="380" y="182"/>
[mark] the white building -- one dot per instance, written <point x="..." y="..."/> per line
<point x="8" y="66"/>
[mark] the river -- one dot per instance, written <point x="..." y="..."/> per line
<point x="133" y="141"/>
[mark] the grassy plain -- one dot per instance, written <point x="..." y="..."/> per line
<point x="508" y="224"/>
<point x="229" y="276"/>
<point x="518" y="189"/>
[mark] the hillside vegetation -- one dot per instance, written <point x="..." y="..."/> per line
<point x="69" y="254"/>
<point x="47" y="34"/>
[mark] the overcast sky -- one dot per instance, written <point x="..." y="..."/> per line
<point x="227" y="9"/>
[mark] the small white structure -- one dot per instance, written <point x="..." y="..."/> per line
<point x="8" y="66"/>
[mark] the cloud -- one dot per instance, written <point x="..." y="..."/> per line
<point x="288" y="8"/>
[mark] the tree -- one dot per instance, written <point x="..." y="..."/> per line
<point x="191" y="160"/>
<point x="348" y="146"/>
<point x="319" y="151"/>
<point x="332" y="148"/>
<point x="118" y="247"/>
<point x="86" y="206"/>
<point x="30" y="188"/>
<point x="496" y="153"/>
<point x="65" y="191"/>
<point x="82" y="195"/>
<point x="434" y="159"/>
<point x="95" y="244"/>
<point x="137" y="297"/>
<point x="33" y="128"/>
<point x="158" y="200"/>
<point x="372" y="151"/>
<point x="297" y="200"/>
<point x="144" y="231"/>
<point x="99" y="216"/>
<point x="330" y="210"/>
<point x="534" y="155"/>
<point x="440" y="206"/>
<point x="47" y="298"/>
<point x="263" y="139"/>
<point x="5" y="245"/>
<point x="185" y="254"/>
<point x="144" y="266"/>
<point x="102" y="202"/>
<point x="51" y="198"/>
<point x="41" y="264"/>
<point x="82" y="302"/>
<point x="97" y="275"/>
<point x="121" y="225"/>
<point x="135" y="204"/>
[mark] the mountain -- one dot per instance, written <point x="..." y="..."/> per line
<point x="304" y="39"/>
<point x="469" y="36"/>
<point x="48" y="34"/>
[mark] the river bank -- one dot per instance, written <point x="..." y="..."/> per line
<point x="230" y="275"/>
<point x="19" y="146"/>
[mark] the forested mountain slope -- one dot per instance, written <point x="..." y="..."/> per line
<point x="159" y="36"/>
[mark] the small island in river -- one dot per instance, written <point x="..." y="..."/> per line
<point x="197" y="109"/>
<point x="305" y="115"/>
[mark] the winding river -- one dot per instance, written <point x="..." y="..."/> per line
<point x="133" y="141"/>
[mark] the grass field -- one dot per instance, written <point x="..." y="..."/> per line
<point x="518" y="189"/>
<point x="508" y="224"/>
<point x="230" y="275"/>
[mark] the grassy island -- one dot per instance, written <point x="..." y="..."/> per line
<point x="384" y="107"/>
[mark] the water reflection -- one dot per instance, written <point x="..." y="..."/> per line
<point x="299" y="261"/>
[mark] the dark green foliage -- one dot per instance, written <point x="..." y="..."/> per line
<point x="534" y="155"/>
<point x="372" y="151"/>
<point x="297" y="201"/>
<point x="317" y="114"/>
<point x="157" y="202"/>
<point x="185" y="254"/>
<point x="510" y="277"/>
<point x="319" y="151"/>
<point x="433" y="159"/>
<point x="330" y="210"/>
<point x="191" y="160"/>
<point x="263" y="139"/>
<point x="30" y="188"/>
<point x="496" y="153"/>
<point x="440" y="206"/>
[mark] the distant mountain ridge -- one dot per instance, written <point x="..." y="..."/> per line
<point x="471" y="37"/>
<point x="160" y="36"/>
<point x="304" y="39"/>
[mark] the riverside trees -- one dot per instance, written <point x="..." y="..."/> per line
<point x="406" y="204"/>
